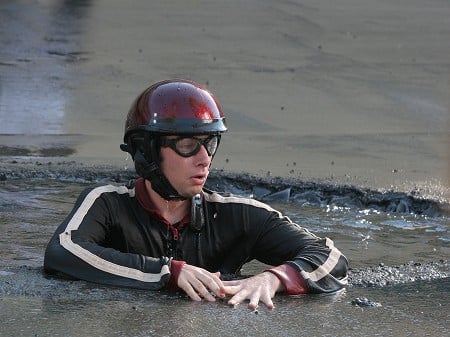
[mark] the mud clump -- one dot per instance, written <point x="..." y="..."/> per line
<point x="364" y="302"/>
<point x="382" y="275"/>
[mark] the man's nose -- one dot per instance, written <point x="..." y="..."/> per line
<point x="203" y="157"/>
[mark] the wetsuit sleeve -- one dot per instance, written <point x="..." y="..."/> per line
<point x="80" y="248"/>
<point x="293" y="283"/>
<point x="304" y="262"/>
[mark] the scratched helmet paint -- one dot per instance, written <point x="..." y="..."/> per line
<point x="175" y="107"/>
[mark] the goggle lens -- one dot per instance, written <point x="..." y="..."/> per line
<point x="190" y="146"/>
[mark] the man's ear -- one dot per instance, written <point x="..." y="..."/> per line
<point x="132" y="143"/>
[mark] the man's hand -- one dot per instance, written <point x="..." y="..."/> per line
<point x="261" y="287"/>
<point x="199" y="283"/>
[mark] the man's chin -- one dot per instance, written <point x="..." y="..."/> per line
<point x="192" y="192"/>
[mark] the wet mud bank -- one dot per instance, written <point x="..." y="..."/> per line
<point x="315" y="193"/>
<point x="32" y="281"/>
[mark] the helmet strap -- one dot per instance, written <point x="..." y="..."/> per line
<point x="151" y="171"/>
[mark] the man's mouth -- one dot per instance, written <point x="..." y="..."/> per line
<point x="199" y="178"/>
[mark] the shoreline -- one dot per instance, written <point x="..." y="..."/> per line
<point x="320" y="158"/>
<point x="265" y="188"/>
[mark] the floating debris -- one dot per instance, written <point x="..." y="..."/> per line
<point x="364" y="302"/>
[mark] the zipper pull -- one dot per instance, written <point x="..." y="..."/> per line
<point x="175" y="233"/>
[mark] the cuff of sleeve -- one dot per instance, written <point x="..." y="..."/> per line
<point x="175" y="269"/>
<point x="291" y="279"/>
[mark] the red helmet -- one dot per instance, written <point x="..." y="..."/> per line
<point x="175" y="107"/>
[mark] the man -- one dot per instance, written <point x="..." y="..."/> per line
<point x="166" y="231"/>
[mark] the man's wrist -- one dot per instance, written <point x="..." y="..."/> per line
<point x="175" y="269"/>
<point x="275" y="282"/>
<point x="292" y="282"/>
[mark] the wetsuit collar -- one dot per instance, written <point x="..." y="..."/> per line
<point x="147" y="204"/>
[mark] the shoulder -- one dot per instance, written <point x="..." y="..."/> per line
<point x="235" y="200"/>
<point x="108" y="190"/>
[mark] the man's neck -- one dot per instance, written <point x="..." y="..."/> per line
<point x="173" y="211"/>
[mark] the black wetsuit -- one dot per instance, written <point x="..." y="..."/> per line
<point x="111" y="237"/>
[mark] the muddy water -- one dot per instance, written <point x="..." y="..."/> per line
<point x="34" y="305"/>
<point x="418" y="310"/>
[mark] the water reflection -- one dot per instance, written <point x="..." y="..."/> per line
<point x="34" y="53"/>
<point x="29" y="213"/>
<point x="369" y="237"/>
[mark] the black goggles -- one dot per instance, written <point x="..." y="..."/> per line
<point x="187" y="146"/>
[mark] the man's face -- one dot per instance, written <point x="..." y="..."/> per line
<point x="186" y="174"/>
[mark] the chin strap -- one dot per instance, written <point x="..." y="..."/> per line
<point x="152" y="172"/>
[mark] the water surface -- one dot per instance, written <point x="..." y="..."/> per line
<point x="34" y="305"/>
<point x="418" y="309"/>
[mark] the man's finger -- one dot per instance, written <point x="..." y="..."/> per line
<point x="267" y="300"/>
<point x="238" y="297"/>
<point x="202" y="290"/>
<point x="232" y="283"/>
<point x="190" y="291"/>
<point x="254" y="300"/>
<point x="213" y="283"/>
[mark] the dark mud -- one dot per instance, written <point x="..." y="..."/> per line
<point x="315" y="193"/>
<point x="32" y="151"/>
<point x="382" y="275"/>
